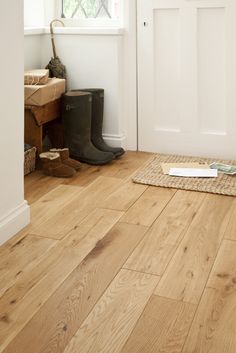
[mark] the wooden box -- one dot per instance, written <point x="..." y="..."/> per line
<point x="40" y="95"/>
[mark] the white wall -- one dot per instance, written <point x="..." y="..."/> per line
<point x="32" y="51"/>
<point x="51" y="10"/>
<point x="14" y="212"/>
<point x="34" y="13"/>
<point x="39" y="13"/>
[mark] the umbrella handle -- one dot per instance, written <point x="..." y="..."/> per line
<point x="52" y="35"/>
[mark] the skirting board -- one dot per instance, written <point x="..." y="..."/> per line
<point x="14" y="222"/>
<point x="115" y="140"/>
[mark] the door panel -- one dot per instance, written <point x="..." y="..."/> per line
<point x="187" y="77"/>
<point x="212" y="70"/>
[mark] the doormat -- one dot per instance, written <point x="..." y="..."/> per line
<point x="152" y="174"/>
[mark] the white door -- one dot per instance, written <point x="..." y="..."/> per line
<point x="187" y="77"/>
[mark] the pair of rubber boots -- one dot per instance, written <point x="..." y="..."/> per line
<point x="82" y="114"/>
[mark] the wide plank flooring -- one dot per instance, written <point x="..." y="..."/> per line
<point x="108" y="266"/>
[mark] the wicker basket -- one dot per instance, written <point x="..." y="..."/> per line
<point x="30" y="158"/>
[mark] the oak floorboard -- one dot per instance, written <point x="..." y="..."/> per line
<point x="156" y="249"/>
<point x="69" y="216"/>
<point x="131" y="163"/>
<point x="94" y="226"/>
<point x="121" y="168"/>
<point x="149" y="206"/>
<point x="35" y="285"/>
<point x="162" y="328"/>
<point x="89" y="173"/>
<point x="42" y="209"/>
<point x="44" y="185"/>
<point x="113" y="318"/>
<point x="60" y="284"/>
<point x="12" y="243"/>
<point x="214" y="327"/>
<point x="37" y="184"/>
<point x="188" y="271"/>
<point x="223" y="274"/>
<point x="28" y="252"/>
<point x="124" y="196"/>
<point x="57" y="320"/>
<point x="230" y="232"/>
<point x="48" y="205"/>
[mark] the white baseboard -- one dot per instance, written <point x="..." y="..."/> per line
<point x="115" y="140"/>
<point x="14" y="222"/>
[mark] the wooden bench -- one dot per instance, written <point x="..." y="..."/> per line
<point x="36" y="118"/>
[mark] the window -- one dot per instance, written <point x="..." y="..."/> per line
<point x="92" y="9"/>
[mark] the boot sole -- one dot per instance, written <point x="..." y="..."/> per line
<point x="83" y="160"/>
<point x="116" y="154"/>
<point x="119" y="154"/>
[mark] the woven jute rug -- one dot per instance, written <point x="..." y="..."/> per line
<point x="152" y="174"/>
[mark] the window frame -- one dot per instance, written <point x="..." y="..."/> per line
<point x="91" y="22"/>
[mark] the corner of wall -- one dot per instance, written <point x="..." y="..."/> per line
<point x="14" y="211"/>
<point x="14" y="222"/>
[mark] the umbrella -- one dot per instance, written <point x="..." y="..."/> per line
<point x="55" y="66"/>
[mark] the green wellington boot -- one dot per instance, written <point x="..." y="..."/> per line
<point x="77" y="113"/>
<point x="97" y="122"/>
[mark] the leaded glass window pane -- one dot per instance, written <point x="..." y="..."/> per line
<point x="91" y="9"/>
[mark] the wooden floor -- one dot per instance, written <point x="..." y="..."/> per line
<point x="108" y="266"/>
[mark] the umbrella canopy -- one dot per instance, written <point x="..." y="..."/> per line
<point x="55" y="66"/>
